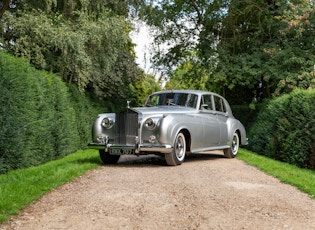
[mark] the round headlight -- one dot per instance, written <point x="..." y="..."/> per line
<point x="150" y="124"/>
<point x="107" y="123"/>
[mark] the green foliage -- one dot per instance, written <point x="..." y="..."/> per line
<point x="185" y="30"/>
<point x="87" y="43"/>
<point x="267" y="41"/>
<point x="239" y="74"/>
<point x="69" y="7"/>
<point x="246" y="114"/>
<point x="86" y="110"/>
<point x="189" y="75"/>
<point x="238" y="43"/>
<point x="285" y="129"/>
<point x="249" y="25"/>
<point x="38" y="119"/>
<point x="144" y="86"/>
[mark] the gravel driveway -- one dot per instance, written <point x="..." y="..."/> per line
<point x="206" y="192"/>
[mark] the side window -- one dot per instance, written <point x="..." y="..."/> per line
<point x="192" y="100"/>
<point x="219" y="104"/>
<point x="206" y="100"/>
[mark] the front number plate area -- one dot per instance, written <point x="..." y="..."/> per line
<point x="121" y="151"/>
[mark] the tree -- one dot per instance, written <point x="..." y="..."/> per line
<point x="255" y="48"/>
<point x="85" y="42"/>
<point x="144" y="86"/>
<point x="242" y="43"/>
<point x="4" y="5"/>
<point x="295" y="53"/>
<point x="184" y="77"/>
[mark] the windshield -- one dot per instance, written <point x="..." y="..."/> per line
<point x="173" y="99"/>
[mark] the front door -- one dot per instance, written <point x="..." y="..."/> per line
<point x="210" y="123"/>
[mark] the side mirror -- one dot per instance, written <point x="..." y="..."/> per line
<point x="204" y="106"/>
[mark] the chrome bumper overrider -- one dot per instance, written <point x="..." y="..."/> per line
<point x="137" y="149"/>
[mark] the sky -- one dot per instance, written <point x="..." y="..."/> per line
<point x="144" y="50"/>
<point x="141" y="37"/>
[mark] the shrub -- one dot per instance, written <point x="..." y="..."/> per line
<point x="40" y="120"/>
<point x="246" y="114"/>
<point x="285" y="129"/>
<point x="18" y="100"/>
<point x="86" y="110"/>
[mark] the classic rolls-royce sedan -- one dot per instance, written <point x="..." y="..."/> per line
<point x="171" y="124"/>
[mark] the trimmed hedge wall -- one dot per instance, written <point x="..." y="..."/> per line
<point x="285" y="129"/>
<point x="40" y="119"/>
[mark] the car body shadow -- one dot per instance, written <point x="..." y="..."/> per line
<point x="157" y="161"/>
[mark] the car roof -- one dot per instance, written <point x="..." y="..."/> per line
<point x="199" y="92"/>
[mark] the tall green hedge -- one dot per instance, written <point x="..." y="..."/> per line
<point x="285" y="129"/>
<point x="40" y="119"/>
<point x="86" y="111"/>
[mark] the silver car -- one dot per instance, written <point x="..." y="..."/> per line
<point x="172" y="124"/>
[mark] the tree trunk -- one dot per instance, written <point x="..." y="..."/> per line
<point x="5" y="6"/>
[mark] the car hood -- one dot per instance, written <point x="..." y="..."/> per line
<point x="163" y="110"/>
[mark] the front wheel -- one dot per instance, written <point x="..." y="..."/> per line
<point x="177" y="156"/>
<point x="232" y="151"/>
<point x="107" y="158"/>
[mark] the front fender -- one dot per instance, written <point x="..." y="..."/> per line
<point x="167" y="130"/>
<point x="98" y="131"/>
<point x="170" y="126"/>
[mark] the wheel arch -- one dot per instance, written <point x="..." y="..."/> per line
<point x="238" y="132"/>
<point x="242" y="136"/>
<point x="237" y="127"/>
<point x="187" y="138"/>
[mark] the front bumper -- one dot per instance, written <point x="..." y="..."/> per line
<point x="131" y="149"/>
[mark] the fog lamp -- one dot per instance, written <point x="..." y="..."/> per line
<point x="152" y="139"/>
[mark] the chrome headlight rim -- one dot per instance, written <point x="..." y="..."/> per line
<point x="107" y="123"/>
<point x="151" y="123"/>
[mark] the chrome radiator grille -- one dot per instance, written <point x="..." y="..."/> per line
<point x="126" y="128"/>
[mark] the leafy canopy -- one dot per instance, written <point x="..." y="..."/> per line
<point x="238" y="44"/>
<point x="85" y="42"/>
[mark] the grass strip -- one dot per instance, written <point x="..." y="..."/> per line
<point x="303" y="179"/>
<point x="19" y="188"/>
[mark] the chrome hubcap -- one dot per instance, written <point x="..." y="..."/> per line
<point x="235" y="144"/>
<point x="180" y="148"/>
